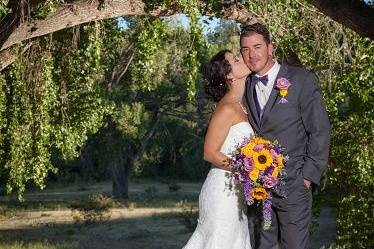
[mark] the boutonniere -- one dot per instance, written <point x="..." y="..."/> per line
<point x="283" y="84"/>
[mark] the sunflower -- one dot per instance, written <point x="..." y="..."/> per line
<point x="260" y="140"/>
<point x="259" y="194"/>
<point x="280" y="160"/>
<point x="253" y="175"/>
<point x="275" y="171"/>
<point x="262" y="159"/>
<point x="248" y="149"/>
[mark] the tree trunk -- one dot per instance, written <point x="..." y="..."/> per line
<point x="121" y="169"/>
<point x="120" y="175"/>
<point x="88" y="165"/>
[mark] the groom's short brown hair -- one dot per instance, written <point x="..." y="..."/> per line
<point x="258" y="28"/>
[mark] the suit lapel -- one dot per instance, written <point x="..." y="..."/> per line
<point x="252" y="112"/>
<point x="274" y="93"/>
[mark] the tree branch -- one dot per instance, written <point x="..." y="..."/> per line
<point x="125" y="69"/>
<point x="8" y="56"/>
<point x="353" y="14"/>
<point x="72" y="14"/>
<point x="144" y="141"/>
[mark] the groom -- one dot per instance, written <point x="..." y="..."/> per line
<point x="285" y="103"/>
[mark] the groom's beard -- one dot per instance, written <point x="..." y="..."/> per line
<point x="258" y="65"/>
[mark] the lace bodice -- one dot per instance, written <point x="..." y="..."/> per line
<point x="236" y="135"/>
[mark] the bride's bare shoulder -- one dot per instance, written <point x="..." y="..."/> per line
<point x="225" y="110"/>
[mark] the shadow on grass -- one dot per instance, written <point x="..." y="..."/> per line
<point x="155" y="232"/>
<point x="12" y="207"/>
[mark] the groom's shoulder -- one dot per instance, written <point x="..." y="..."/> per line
<point x="301" y="75"/>
<point x="299" y="71"/>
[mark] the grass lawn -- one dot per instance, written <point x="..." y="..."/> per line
<point x="149" y="219"/>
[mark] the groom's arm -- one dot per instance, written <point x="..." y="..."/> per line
<point x="317" y="126"/>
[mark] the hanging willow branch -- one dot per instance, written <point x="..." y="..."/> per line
<point x="72" y="14"/>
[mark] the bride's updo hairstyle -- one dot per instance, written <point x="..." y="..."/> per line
<point x="216" y="71"/>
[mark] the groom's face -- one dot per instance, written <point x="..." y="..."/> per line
<point x="257" y="53"/>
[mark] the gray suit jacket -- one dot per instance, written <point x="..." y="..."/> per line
<point x="301" y="125"/>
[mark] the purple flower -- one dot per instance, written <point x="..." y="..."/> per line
<point x="270" y="182"/>
<point x="247" y="189"/>
<point x="269" y="170"/>
<point x="266" y="212"/>
<point x="283" y="83"/>
<point x="258" y="147"/>
<point x="274" y="153"/>
<point x="248" y="164"/>
<point x="261" y="174"/>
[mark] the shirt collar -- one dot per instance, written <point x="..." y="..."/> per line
<point x="272" y="73"/>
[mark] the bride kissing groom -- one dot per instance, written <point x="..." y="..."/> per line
<point x="257" y="95"/>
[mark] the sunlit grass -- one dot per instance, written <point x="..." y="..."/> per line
<point x="37" y="245"/>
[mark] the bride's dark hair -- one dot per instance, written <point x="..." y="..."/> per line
<point x="215" y="73"/>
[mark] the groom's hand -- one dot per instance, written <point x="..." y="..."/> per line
<point x="307" y="183"/>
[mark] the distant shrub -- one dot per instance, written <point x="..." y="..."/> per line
<point x="95" y="208"/>
<point x="174" y="187"/>
<point x="150" y="192"/>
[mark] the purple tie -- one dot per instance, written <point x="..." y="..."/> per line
<point x="264" y="79"/>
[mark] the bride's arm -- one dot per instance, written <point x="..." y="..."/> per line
<point x="218" y="129"/>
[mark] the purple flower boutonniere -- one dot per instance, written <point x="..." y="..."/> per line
<point x="283" y="84"/>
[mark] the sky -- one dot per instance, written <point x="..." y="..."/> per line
<point x="209" y="23"/>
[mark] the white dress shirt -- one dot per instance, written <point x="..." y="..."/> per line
<point x="263" y="92"/>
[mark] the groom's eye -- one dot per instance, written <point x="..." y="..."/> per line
<point x="244" y="50"/>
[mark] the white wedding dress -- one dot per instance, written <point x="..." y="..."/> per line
<point x="222" y="220"/>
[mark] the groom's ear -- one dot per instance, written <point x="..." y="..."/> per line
<point x="270" y="49"/>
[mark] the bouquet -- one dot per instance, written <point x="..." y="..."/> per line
<point x="258" y="167"/>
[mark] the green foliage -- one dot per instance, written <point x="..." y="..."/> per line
<point x="81" y="108"/>
<point x="147" y="57"/>
<point x="355" y="220"/>
<point x="3" y="8"/>
<point x="352" y="155"/>
<point x="130" y="118"/>
<point x="149" y="43"/>
<point x="2" y="113"/>
<point x="136" y="106"/>
<point x="46" y="7"/>
<point x="52" y="102"/>
<point x="191" y="8"/>
<point x="28" y="125"/>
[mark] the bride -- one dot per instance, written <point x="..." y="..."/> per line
<point x="222" y="220"/>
